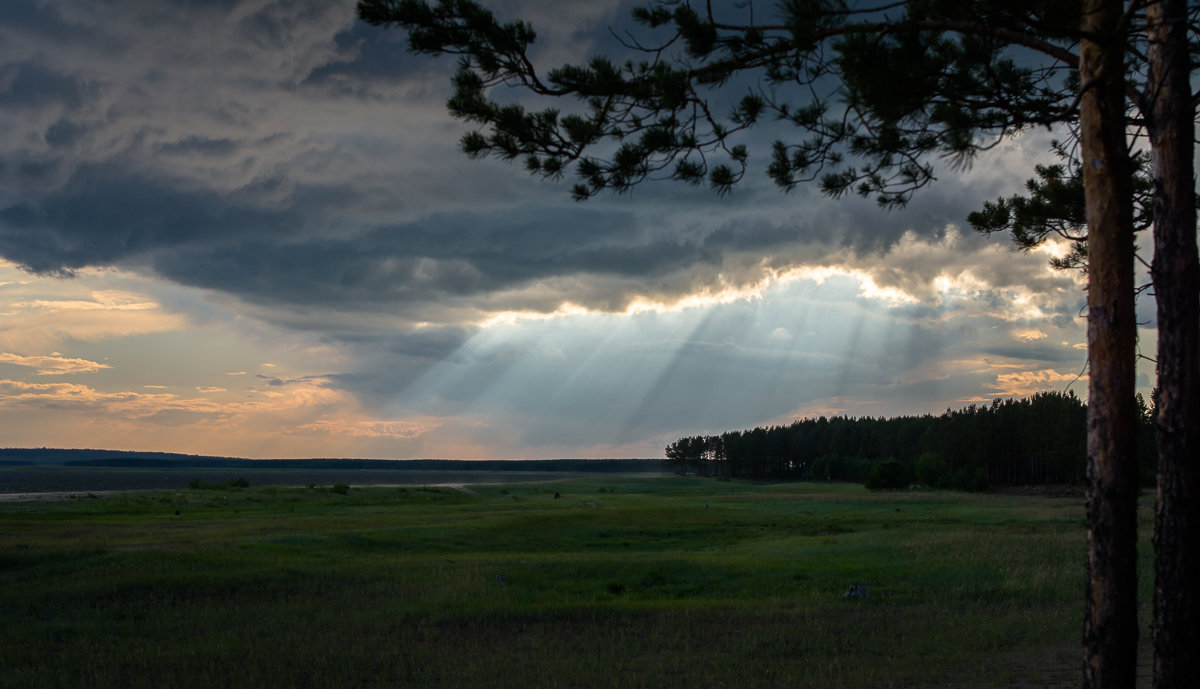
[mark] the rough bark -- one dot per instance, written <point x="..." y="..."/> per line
<point x="1176" y="275"/>
<point x="1110" y="623"/>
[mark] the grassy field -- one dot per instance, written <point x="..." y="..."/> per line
<point x="621" y="582"/>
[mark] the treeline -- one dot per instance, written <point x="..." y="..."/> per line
<point x="611" y="466"/>
<point x="1035" y="440"/>
<point x="34" y="456"/>
<point x="170" y="460"/>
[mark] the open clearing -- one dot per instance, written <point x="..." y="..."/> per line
<point x="619" y="582"/>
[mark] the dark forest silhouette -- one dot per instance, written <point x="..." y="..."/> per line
<point x="1030" y="441"/>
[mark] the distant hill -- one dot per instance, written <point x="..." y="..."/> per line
<point x="167" y="460"/>
<point x="45" y="455"/>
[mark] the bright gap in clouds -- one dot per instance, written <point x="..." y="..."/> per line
<point x="806" y="341"/>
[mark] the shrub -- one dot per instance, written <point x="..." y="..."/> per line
<point x="932" y="470"/>
<point x="970" y="480"/>
<point x="887" y="475"/>
<point x="197" y="484"/>
<point x="340" y="488"/>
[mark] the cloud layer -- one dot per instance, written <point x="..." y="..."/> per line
<point x="192" y="190"/>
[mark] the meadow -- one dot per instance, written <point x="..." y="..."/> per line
<point x="637" y="581"/>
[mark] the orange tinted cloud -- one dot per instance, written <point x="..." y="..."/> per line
<point x="401" y="430"/>
<point x="1025" y="383"/>
<point x="52" y="365"/>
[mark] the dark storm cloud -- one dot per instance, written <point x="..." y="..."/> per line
<point x="212" y="198"/>
<point x="463" y="254"/>
<point x="41" y="20"/>
<point x="28" y="85"/>
<point x="242" y="148"/>
<point x="369" y="56"/>
<point x="451" y="254"/>
<point x="201" y="145"/>
<point x="34" y="173"/>
<point x="30" y="16"/>
<point x="105" y="216"/>
<point x="64" y="133"/>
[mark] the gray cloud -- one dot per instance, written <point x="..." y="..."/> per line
<point x="106" y="216"/>
<point x="27" y="85"/>
<point x="237" y="186"/>
<point x="368" y="57"/>
<point x="65" y="133"/>
<point x="200" y="145"/>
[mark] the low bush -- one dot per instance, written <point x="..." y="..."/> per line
<point x="970" y="480"/>
<point x="197" y="484"/>
<point x="932" y="470"/>
<point x="887" y="475"/>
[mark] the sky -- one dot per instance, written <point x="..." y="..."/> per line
<point x="245" y="228"/>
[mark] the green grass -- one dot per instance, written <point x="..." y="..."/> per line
<point x="623" y="582"/>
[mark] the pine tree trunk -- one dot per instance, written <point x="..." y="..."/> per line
<point x="1110" y="623"/>
<point x="1176" y="275"/>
